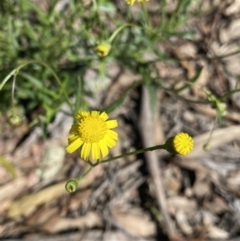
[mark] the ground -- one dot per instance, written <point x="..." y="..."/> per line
<point x="151" y="196"/>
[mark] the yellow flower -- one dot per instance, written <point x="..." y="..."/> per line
<point x="131" y="2"/>
<point x="103" y="48"/>
<point x="181" y="144"/>
<point x="93" y="134"/>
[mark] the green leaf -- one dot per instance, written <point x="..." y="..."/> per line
<point x="121" y="99"/>
<point x="189" y="82"/>
<point x="152" y="89"/>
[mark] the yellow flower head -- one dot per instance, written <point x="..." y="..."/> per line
<point x="181" y="144"/>
<point x="103" y="48"/>
<point x="131" y="2"/>
<point x="93" y="134"/>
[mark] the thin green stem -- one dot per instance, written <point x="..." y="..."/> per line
<point x="174" y="15"/>
<point x="115" y="33"/>
<point x="211" y="58"/>
<point x="163" y="15"/>
<point x="92" y="165"/>
<point x="229" y="93"/>
<point x="145" y="13"/>
<point x="7" y="78"/>
<point x="207" y="144"/>
<point x="84" y="174"/>
<point x="12" y="93"/>
<point x="78" y="102"/>
<point x="133" y="153"/>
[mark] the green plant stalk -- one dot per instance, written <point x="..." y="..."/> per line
<point x="15" y="71"/>
<point x="133" y="153"/>
<point x="206" y="146"/>
<point x="229" y="94"/>
<point x="78" y="95"/>
<point x="174" y="15"/>
<point x="85" y="174"/>
<point x="92" y="165"/>
<point x="12" y="94"/>
<point x="116" y="32"/>
<point x="163" y="15"/>
<point x="145" y="13"/>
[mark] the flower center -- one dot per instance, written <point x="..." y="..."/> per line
<point x="92" y="129"/>
<point x="183" y="143"/>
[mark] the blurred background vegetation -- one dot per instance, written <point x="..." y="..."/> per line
<point x="63" y="35"/>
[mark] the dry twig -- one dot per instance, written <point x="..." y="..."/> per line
<point x="146" y="125"/>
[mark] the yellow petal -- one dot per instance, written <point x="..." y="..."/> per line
<point x="81" y="114"/>
<point x="74" y="145"/>
<point x="95" y="151"/>
<point x="95" y="113"/>
<point x="72" y="138"/>
<point x="111" y="124"/>
<point x="85" y="152"/>
<point x="112" y="134"/>
<point x="103" y="148"/>
<point x="110" y="142"/>
<point x="104" y="116"/>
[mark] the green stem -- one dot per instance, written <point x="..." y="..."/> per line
<point x="163" y="15"/>
<point x="229" y="93"/>
<point x="115" y="33"/>
<point x="79" y="94"/>
<point x="132" y="153"/>
<point x="145" y="13"/>
<point x="12" y="93"/>
<point x="92" y="165"/>
<point x="84" y="174"/>
<point x="174" y="15"/>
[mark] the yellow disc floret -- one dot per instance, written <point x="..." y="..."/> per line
<point x="183" y="143"/>
<point x="90" y="134"/>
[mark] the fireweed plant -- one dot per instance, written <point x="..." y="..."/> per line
<point x="53" y="66"/>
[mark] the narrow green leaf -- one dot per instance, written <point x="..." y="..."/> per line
<point x="8" y="166"/>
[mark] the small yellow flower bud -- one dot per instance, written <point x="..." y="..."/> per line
<point x="103" y="48"/>
<point x="130" y="2"/>
<point x="181" y="144"/>
<point x="71" y="186"/>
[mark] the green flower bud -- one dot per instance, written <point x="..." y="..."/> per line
<point x="15" y="120"/>
<point x="71" y="186"/>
